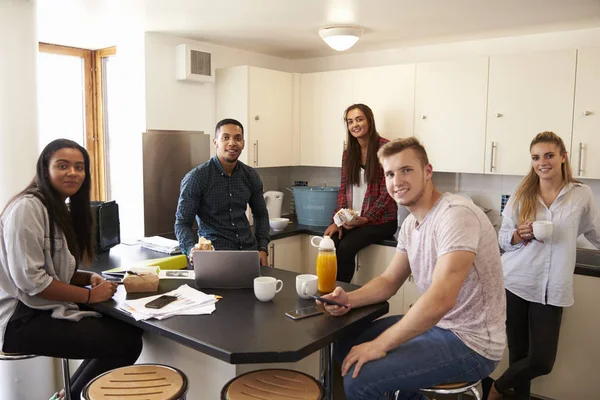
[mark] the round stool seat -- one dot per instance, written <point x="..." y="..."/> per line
<point x="15" y="356"/>
<point x="136" y="382"/>
<point x="452" y="388"/>
<point x="273" y="384"/>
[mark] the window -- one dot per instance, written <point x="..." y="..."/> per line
<point x="72" y="102"/>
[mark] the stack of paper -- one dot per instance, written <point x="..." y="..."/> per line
<point x="161" y="244"/>
<point x="190" y="302"/>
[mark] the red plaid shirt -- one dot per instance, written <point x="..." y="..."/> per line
<point x="378" y="207"/>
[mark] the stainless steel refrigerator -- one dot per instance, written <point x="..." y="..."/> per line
<point x="167" y="157"/>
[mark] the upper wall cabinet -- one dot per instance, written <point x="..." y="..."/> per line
<point x="261" y="99"/>
<point x="528" y="94"/>
<point x="450" y="112"/>
<point x="586" y="119"/>
<point x="389" y="91"/>
<point x="323" y="98"/>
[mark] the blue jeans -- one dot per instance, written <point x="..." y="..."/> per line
<point x="435" y="357"/>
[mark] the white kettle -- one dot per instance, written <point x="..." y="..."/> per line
<point x="274" y="201"/>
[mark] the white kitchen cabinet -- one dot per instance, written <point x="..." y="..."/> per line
<point x="372" y="262"/>
<point x="323" y="98"/>
<point x="450" y="113"/>
<point x="262" y="100"/>
<point x="310" y="255"/>
<point x="528" y="94"/>
<point x="586" y="118"/>
<point x="389" y="91"/>
<point x="286" y="253"/>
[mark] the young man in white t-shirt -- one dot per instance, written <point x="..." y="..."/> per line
<point x="455" y="331"/>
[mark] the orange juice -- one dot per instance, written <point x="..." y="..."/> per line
<point x="326" y="271"/>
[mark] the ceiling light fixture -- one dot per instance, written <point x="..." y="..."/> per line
<point x="341" y="38"/>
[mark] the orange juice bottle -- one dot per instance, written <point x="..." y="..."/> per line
<point x="326" y="264"/>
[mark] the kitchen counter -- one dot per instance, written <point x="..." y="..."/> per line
<point x="295" y="228"/>
<point x="588" y="261"/>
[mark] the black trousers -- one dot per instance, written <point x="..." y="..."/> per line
<point x="355" y="240"/>
<point x="532" y="330"/>
<point x="103" y="343"/>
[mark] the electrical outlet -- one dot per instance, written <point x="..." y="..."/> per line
<point x="300" y="183"/>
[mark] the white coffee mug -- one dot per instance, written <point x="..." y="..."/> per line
<point x="542" y="230"/>
<point x="306" y="285"/>
<point x="265" y="287"/>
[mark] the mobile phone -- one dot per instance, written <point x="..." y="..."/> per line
<point x="333" y="303"/>
<point x="304" y="312"/>
<point x="161" y="301"/>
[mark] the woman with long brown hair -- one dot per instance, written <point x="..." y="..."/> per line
<point x="44" y="243"/>
<point x="538" y="274"/>
<point x="363" y="190"/>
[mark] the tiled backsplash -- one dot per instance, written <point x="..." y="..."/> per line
<point x="487" y="191"/>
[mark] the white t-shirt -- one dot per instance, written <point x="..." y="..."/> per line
<point x="457" y="224"/>
<point x="358" y="192"/>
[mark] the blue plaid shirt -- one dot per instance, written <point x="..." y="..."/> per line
<point x="219" y="202"/>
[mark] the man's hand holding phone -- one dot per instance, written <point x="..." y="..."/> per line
<point x="339" y="296"/>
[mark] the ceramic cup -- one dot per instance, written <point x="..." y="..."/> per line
<point x="306" y="285"/>
<point x="265" y="287"/>
<point x="542" y="230"/>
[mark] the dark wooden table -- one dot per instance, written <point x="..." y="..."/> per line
<point x="242" y="330"/>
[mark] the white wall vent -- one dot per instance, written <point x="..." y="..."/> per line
<point x="194" y="64"/>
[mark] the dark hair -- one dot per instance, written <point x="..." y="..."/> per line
<point x="228" y="121"/>
<point x="399" y="145"/>
<point x="76" y="220"/>
<point x="353" y="156"/>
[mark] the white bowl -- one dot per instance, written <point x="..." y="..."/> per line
<point x="278" y="224"/>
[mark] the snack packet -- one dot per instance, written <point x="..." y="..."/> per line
<point x="344" y="215"/>
<point x="204" y="244"/>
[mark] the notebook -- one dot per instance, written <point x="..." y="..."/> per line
<point x="226" y="269"/>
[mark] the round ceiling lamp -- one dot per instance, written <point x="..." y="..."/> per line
<point x="341" y="38"/>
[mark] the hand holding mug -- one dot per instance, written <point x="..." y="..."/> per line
<point x="525" y="231"/>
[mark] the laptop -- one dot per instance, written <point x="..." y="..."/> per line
<point x="226" y="269"/>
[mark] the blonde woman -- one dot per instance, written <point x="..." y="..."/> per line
<point x="538" y="275"/>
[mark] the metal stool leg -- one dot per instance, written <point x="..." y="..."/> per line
<point x="476" y="393"/>
<point x="66" y="378"/>
<point x="460" y="396"/>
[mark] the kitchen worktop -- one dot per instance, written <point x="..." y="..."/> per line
<point x="588" y="261"/>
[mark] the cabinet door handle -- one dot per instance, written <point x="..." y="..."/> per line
<point x="580" y="164"/>
<point x="493" y="157"/>
<point x="586" y="113"/>
<point x="256" y="153"/>
<point x="272" y="255"/>
<point x="498" y="115"/>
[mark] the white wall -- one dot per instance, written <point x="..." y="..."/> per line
<point x="18" y="97"/>
<point x="182" y="105"/>
<point x="448" y="51"/>
<point x="125" y="137"/>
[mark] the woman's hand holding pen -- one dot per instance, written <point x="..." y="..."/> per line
<point x="102" y="289"/>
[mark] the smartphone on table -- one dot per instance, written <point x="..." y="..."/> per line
<point x="304" y="312"/>
<point x="161" y="301"/>
<point x="328" y="301"/>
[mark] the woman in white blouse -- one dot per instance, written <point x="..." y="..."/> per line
<point x="538" y="274"/>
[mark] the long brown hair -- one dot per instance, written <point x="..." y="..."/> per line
<point x="76" y="220"/>
<point x="526" y="195"/>
<point x="353" y="155"/>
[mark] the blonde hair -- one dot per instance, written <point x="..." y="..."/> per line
<point x="399" y="145"/>
<point x="526" y="195"/>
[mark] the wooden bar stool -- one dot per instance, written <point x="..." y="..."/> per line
<point x="137" y="382"/>
<point x="66" y="374"/>
<point x="451" y="388"/>
<point x="273" y="384"/>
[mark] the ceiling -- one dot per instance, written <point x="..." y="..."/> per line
<point x="289" y="28"/>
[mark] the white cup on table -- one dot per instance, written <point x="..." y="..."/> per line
<point x="542" y="230"/>
<point x="306" y="285"/>
<point x="265" y="287"/>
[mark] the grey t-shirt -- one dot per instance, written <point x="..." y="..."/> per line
<point x="457" y="224"/>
